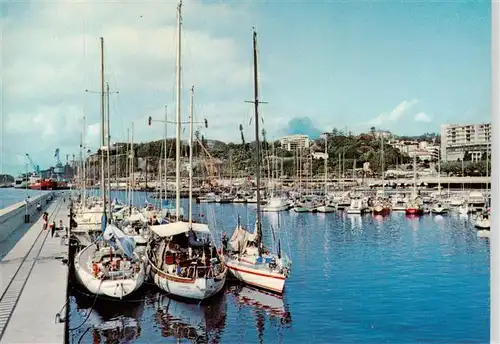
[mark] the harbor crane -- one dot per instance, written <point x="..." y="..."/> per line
<point x="35" y="167"/>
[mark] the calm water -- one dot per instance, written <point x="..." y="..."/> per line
<point x="355" y="279"/>
<point x="9" y="196"/>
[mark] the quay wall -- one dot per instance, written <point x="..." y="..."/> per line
<point x="12" y="217"/>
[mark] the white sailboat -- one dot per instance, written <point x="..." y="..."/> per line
<point x="247" y="258"/>
<point x="483" y="221"/>
<point x="439" y="208"/>
<point x="327" y="206"/>
<point x="110" y="267"/>
<point x="182" y="258"/>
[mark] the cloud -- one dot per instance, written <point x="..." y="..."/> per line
<point x="54" y="56"/>
<point x="395" y="115"/>
<point x="422" y="117"/>
<point x="302" y="125"/>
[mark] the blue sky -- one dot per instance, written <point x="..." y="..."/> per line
<point x="403" y="66"/>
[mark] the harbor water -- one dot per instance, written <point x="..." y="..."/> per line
<point x="355" y="279"/>
<point x="9" y="196"/>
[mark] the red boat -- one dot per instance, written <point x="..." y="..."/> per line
<point x="43" y="184"/>
<point x="381" y="210"/>
<point x="414" y="210"/>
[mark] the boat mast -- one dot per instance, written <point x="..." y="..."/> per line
<point x="132" y="168"/>
<point x="326" y="164"/>
<point x="191" y="158"/>
<point x="439" y="173"/>
<point x="165" y="158"/>
<point x="109" y="148"/>
<point x="103" y="183"/>
<point x="84" y="149"/>
<point x="414" y="177"/>
<point x="382" y="163"/>
<point x="178" y="119"/>
<point x="257" y="133"/>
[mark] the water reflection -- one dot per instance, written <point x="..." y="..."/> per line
<point x="110" y="321"/>
<point x="198" y="323"/>
<point x="262" y="303"/>
<point x="356" y="221"/>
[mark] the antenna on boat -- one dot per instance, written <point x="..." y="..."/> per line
<point x="256" y="103"/>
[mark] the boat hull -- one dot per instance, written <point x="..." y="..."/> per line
<point x="197" y="289"/>
<point x="325" y="209"/>
<point x="381" y="211"/>
<point x="118" y="288"/>
<point x="275" y="209"/>
<point x="257" y="277"/>
<point x="482" y="224"/>
<point x="414" y="211"/>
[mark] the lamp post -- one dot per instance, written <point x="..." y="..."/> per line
<point x="26" y="214"/>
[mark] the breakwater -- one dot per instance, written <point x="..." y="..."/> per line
<point x="13" y="216"/>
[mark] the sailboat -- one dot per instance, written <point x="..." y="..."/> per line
<point x="327" y="206"/>
<point x="109" y="266"/>
<point x="182" y="257"/>
<point x="414" y="207"/>
<point x="247" y="258"/>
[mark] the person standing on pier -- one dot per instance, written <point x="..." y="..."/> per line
<point x="45" y="218"/>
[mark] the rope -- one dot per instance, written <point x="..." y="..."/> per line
<point x="90" y="311"/>
<point x="83" y="335"/>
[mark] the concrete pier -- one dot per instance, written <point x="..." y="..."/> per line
<point x="34" y="284"/>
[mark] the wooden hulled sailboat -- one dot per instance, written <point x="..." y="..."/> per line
<point x="182" y="257"/>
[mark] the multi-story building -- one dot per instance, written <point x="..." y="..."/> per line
<point x="292" y="142"/>
<point x="457" y="140"/>
<point x="383" y="134"/>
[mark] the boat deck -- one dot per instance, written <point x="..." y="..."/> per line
<point x="33" y="286"/>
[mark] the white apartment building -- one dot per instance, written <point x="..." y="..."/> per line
<point x="385" y="134"/>
<point x="457" y="139"/>
<point x="292" y="142"/>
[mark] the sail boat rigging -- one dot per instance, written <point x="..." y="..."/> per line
<point x="246" y="257"/>
<point x="180" y="263"/>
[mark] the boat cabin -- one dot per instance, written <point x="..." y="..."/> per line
<point x="108" y="263"/>
<point x="183" y="251"/>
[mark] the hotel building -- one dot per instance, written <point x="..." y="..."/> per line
<point x="292" y="142"/>
<point x="456" y="140"/>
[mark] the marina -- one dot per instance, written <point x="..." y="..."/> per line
<point x="396" y="266"/>
<point x="196" y="225"/>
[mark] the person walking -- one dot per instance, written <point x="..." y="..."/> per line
<point x="45" y="219"/>
<point x="52" y="228"/>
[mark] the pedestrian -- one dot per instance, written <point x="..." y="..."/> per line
<point x="45" y="219"/>
<point x="52" y="229"/>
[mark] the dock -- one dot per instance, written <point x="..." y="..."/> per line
<point x="34" y="281"/>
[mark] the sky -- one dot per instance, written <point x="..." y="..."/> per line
<point x="406" y="66"/>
